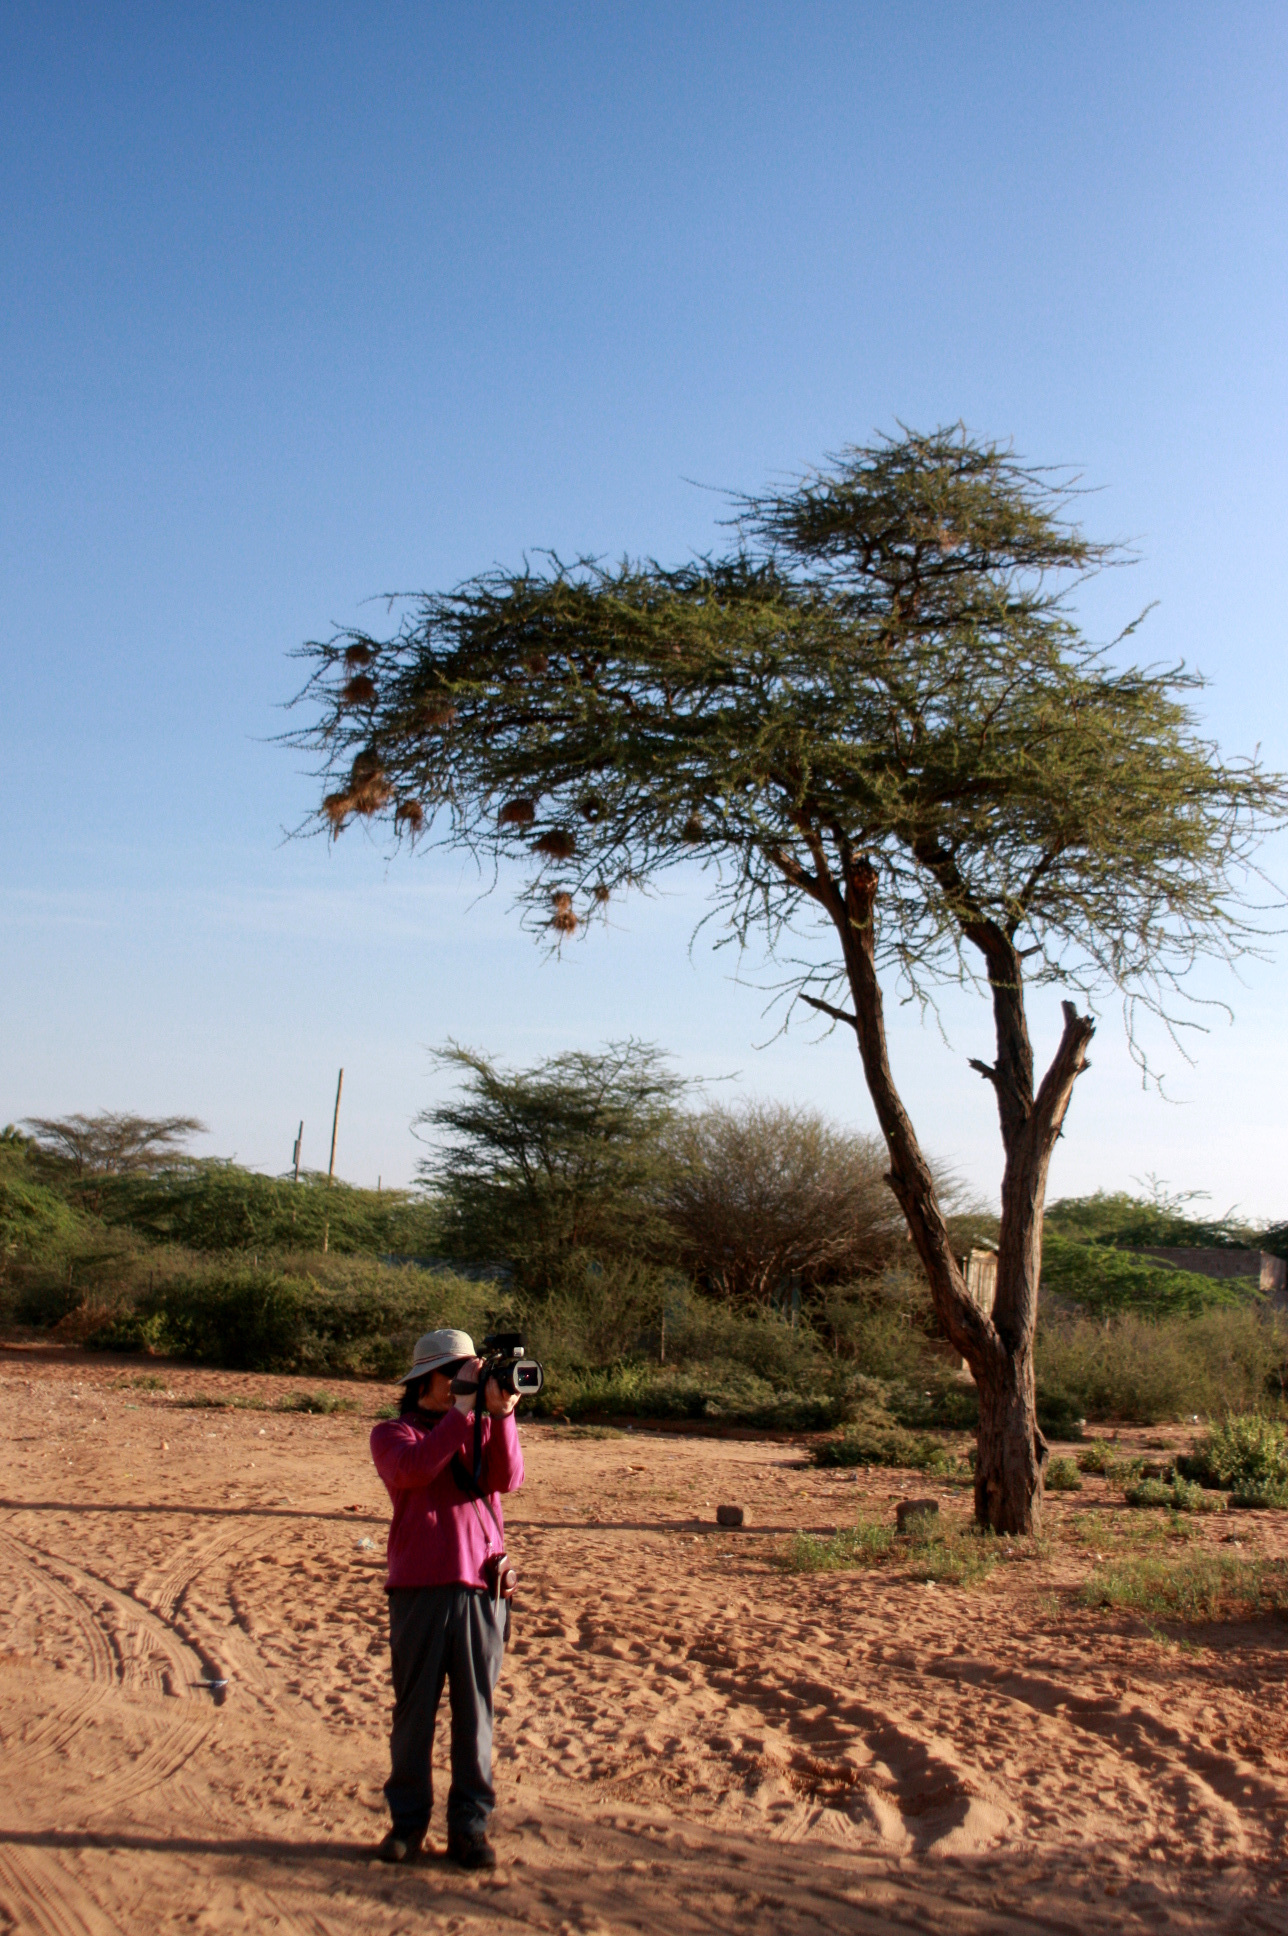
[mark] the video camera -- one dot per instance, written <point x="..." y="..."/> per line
<point x="505" y="1359"/>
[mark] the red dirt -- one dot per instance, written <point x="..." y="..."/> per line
<point x="688" y="1738"/>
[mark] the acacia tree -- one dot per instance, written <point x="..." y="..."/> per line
<point x="112" y="1144"/>
<point x="542" y="1166"/>
<point x="876" y="715"/>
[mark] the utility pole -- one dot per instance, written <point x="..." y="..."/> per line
<point x="295" y="1154"/>
<point x="335" y="1124"/>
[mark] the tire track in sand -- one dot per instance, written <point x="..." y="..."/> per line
<point x="86" y="1693"/>
<point x="113" y="1673"/>
<point x="40" y="1896"/>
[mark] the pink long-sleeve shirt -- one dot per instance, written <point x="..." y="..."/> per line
<point x="439" y="1537"/>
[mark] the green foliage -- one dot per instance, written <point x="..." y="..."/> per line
<point x="1103" y="1282"/>
<point x="546" y="1165"/>
<point x="1260" y="1498"/>
<point x="1244" y="1453"/>
<point x="931" y="1551"/>
<point x="217" y="1207"/>
<point x="112" y="1144"/>
<point x="886" y="669"/>
<point x="1096" y="1457"/>
<point x="1062" y="1475"/>
<point x="881" y="1442"/>
<point x="859" y="1545"/>
<point x="721" y="1393"/>
<point x="949" y="1555"/>
<point x="362" y="1322"/>
<point x="1178" y="1494"/>
<point x="1127" y="1222"/>
<point x="1148" y="1372"/>
<point x="1193" y="1586"/>
<point x="34" y="1217"/>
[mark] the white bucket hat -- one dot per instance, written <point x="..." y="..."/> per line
<point x="439" y="1348"/>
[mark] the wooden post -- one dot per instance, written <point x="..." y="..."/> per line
<point x="295" y="1153"/>
<point x="335" y="1124"/>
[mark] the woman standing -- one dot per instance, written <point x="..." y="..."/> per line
<point x="446" y="1619"/>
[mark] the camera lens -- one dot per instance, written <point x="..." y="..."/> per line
<point x="527" y="1376"/>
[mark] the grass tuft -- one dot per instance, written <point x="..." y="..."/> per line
<point x="930" y="1552"/>
<point x="860" y="1545"/>
<point x="318" y="1401"/>
<point x="1196" y="1585"/>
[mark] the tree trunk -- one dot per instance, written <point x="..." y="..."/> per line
<point x="998" y="1346"/>
<point x="1011" y="1451"/>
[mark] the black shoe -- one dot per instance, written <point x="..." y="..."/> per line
<point x="472" y="1851"/>
<point x="399" y="1846"/>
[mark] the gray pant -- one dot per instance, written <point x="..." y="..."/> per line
<point x="437" y="1633"/>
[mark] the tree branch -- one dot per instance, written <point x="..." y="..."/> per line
<point x="826" y="1008"/>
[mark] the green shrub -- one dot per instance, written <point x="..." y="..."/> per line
<point x="882" y="1443"/>
<point x="721" y="1392"/>
<point x="1259" y="1498"/>
<point x="1179" y="1494"/>
<point x="1059" y="1416"/>
<point x="1096" y="1457"/>
<point x="952" y="1555"/>
<point x="217" y="1207"/>
<point x="1247" y="1453"/>
<point x="1062" y="1475"/>
<point x="1224" y="1360"/>
<point x="364" y="1321"/>
<point x="1104" y="1281"/>
<point x="932" y="1552"/>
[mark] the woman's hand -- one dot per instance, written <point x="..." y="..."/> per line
<point x="500" y="1404"/>
<point x="468" y="1368"/>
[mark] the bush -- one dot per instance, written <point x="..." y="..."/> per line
<point x="1247" y="1453"/>
<point x="216" y="1208"/>
<point x="364" y="1321"/>
<point x="1179" y="1494"/>
<point x="1139" y="1223"/>
<point x="1103" y="1281"/>
<point x="882" y="1442"/>
<point x="1062" y="1475"/>
<point x="1223" y="1360"/>
<point x="719" y="1392"/>
<point x="1059" y="1415"/>
<point x="1258" y="1498"/>
<point x="759" y="1192"/>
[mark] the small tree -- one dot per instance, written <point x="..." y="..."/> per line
<point x="876" y="720"/>
<point x="761" y="1192"/>
<point x="541" y="1166"/>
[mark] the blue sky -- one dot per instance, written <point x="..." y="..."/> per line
<point x="302" y="305"/>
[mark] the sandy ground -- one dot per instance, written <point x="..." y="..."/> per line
<point x="689" y="1739"/>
